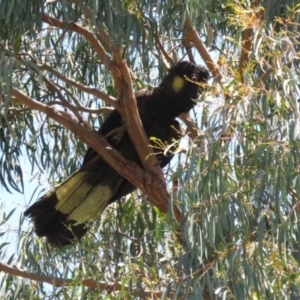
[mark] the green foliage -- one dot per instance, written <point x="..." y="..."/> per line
<point x="238" y="182"/>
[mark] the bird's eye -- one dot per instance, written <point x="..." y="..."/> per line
<point x="195" y="78"/>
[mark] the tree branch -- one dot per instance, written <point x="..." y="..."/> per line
<point x="152" y="186"/>
<point x="126" y="104"/>
<point x="63" y="100"/>
<point x="97" y="111"/>
<point x="102" y="54"/>
<point x="192" y="129"/>
<point x="246" y="47"/>
<point x="188" y="48"/>
<point x="127" y="99"/>
<point x="195" y="38"/>
<point x="247" y="41"/>
<point x="89" y="14"/>
<point x="128" y="109"/>
<point x="89" y="282"/>
<point x="84" y="88"/>
<point x="166" y="57"/>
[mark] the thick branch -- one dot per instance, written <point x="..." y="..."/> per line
<point x="152" y="186"/>
<point x="89" y="282"/>
<point x="128" y="109"/>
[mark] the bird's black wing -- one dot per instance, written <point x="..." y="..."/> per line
<point x="63" y="214"/>
<point x="113" y="121"/>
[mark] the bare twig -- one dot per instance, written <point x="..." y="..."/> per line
<point x="78" y="107"/>
<point x="262" y="78"/>
<point x="60" y="96"/>
<point x="54" y="87"/>
<point x="97" y="111"/>
<point x="15" y="111"/>
<point x="175" y="183"/>
<point x="94" y="42"/>
<point x="166" y="57"/>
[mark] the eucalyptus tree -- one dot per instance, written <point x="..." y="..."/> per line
<point x="222" y="220"/>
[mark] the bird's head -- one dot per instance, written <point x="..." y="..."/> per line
<point x="185" y="81"/>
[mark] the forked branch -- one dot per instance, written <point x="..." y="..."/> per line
<point x="151" y="181"/>
<point x="151" y="185"/>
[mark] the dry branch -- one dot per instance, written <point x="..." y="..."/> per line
<point x="128" y="109"/>
<point x="191" y="127"/>
<point x="166" y="57"/>
<point x="151" y="185"/>
<point x="246" y="47"/>
<point x="127" y="103"/>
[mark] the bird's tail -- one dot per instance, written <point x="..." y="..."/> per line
<point x="62" y="215"/>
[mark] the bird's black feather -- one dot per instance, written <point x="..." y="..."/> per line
<point x="63" y="214"/>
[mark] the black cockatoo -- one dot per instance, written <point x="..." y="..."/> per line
<point x="63" y="214"/>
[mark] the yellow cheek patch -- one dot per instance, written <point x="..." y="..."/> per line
<point x="178" y="83"/>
